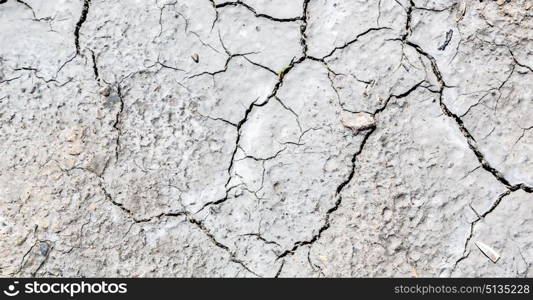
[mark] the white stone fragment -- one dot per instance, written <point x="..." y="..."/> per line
<point x="488" y="251"/>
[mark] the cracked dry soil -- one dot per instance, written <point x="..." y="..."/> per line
<point x="266" y="138"/>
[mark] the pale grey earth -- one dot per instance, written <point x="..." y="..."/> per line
<point x="248" y="138"/>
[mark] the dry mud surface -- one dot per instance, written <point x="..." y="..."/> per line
<point x="266" y="138"/>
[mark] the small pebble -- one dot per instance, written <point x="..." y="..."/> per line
<point x="195" y="57"/>
<point x="358" y="121"/>
<point x="105" y="91"/>
<point x="43" y="248"/>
